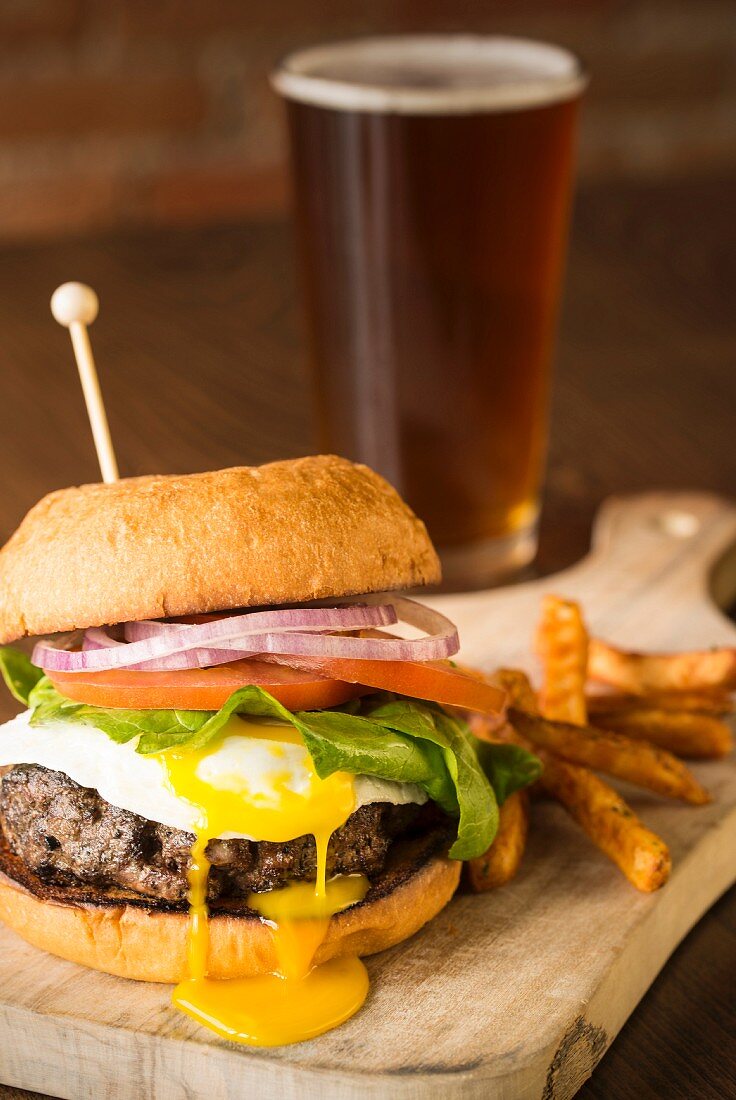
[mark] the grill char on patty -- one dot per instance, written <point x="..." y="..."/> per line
<point x="68" y="834"/>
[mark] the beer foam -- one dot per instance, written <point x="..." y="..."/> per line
<point x="431" y="74"/>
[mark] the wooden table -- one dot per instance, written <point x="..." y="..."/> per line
<point x="199" y="349"/>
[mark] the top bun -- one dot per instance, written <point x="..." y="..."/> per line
<point x="148" y="547"/>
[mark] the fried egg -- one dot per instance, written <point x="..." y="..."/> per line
<point x="240" y="760"/>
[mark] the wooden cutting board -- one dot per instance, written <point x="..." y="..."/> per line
<point x="515" y="994"/>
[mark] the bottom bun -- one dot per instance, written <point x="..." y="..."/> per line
<point x="135" y="937"/>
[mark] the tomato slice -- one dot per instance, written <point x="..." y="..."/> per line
<point x="203" y="689"/>
<point x="436" y="681"/>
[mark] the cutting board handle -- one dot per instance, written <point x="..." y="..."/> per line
<point x="662" y="550"/>
<point x="661" y="571"/>
<point x="666" y="521"/>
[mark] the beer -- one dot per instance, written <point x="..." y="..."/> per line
<point x="432" y="185"/>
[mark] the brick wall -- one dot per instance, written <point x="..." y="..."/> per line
<point x="131" y="111"/>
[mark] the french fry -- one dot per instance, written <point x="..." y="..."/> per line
<point x="483" y="727"/>
<point x="562" y="644"/>
<point x="641" y="673"/>
<point x="717" y="702"/>
<point x="691" y="734"/>
<point x="519" y="691"/>
<point x="486" y="729"/>
<point x="500" y="863"/>
<point x="612" y="825"/>
<point x="600" y="810"/>
<point x="636" y="762"/>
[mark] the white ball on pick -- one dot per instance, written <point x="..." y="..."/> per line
<point x="74" y="302"/>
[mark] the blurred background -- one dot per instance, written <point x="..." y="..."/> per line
<point x="142" y="150"/>
<point x="140" y="112"/>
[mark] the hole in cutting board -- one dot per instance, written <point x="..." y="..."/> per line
<point x="679" y="524"/>
<point x="722" y="583"/>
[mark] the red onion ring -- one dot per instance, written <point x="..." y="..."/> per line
<point x="299" y="632"/>
<point x="147" y="628"/>
<point x="242" y="635"/>
<point x="99" y="638"/>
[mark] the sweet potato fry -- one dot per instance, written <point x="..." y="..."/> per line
<point x="601" y="812"/>
<point x="641" y="673"/>
<point x="612" y="825"/>
<point x="604" y="815"/>
<point x="717" y="702"/>
<point x="487" y="729"/>
<point x="693" y="735"/>
<point x="500" y="863"/>
<point x="483" y="727"/>
<point x="636" y="762"/>
<point x="562" y="644"/>
<point x="519" y="691"/>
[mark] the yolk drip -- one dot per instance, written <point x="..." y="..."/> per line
<point x="298" y="1000"/>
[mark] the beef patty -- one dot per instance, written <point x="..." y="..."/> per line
<point x="67" y="834"/>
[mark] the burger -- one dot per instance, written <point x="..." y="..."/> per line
<point x="241" y="764"/>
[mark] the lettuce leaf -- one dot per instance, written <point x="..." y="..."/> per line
<point x="19" y="674"/>
<point x="157" y="729"/>
<point x="385" y="736"/>
<point x="478" y="814"/>
<point x="508" y="767"/>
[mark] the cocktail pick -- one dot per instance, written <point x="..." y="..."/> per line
<point x="75" y="306"/>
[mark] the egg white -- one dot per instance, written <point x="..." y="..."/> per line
<point x="138" y="783"/>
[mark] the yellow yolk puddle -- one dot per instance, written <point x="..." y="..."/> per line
<point x="298" y="1000"/>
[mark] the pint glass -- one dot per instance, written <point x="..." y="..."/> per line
<point x="432" y="183"/>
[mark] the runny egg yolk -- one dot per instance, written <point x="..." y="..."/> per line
<point x="299" y="999"/>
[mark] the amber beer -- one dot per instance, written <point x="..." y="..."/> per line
<point x="432" y="189"/>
